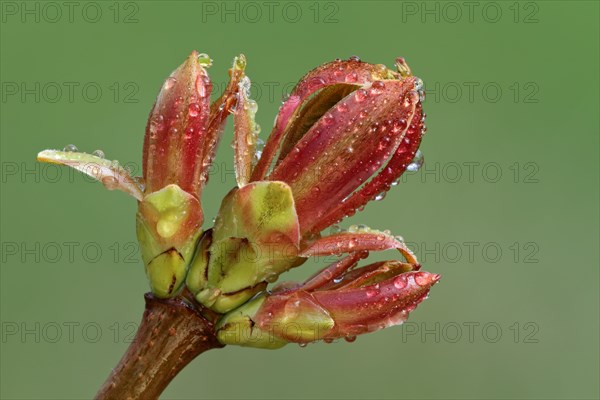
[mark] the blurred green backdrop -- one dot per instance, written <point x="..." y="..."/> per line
<point x="505" y="208"/>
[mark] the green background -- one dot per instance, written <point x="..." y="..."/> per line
<point x="532" y="309"/>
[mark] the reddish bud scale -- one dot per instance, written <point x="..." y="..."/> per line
<point x="351" y="242"/>
<point x="370" y="308"/>
<point x="370" y="274"/>
<point x="176" y="129"/>
<point x="354" y="310"/>
<point x="244" y="142"/>
<point x="336" y="72"/>
<point x="325" y="276"/>
<point x="219" y="111"/>
<point x="334" y="159"/>
<point x="382" y="182"/>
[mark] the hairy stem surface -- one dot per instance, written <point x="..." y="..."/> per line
<point x="171" y="334"/>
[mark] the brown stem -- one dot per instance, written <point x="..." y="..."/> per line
<point x="171" y="334"/>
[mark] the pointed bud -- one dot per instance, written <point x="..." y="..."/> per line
<point x="182" y="134"/>
<point x="364" y="300"/>
<point x="344" y="123"/>
<point x="173" y="145"/>
<point x="170" y="216"/>
<point x="347" y="146"/>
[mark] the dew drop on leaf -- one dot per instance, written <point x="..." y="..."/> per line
<point x="379" y="197"/>
<point x="400" y="282"/>
<point x="98" y="153"/>
<point x="169" y="83"/>
<point x="194" y="110"/>
<point x="205" y="60"/>
<point x="416" y="162"/>
<point x="335" y="229"/>
<point x="109" y="182"/>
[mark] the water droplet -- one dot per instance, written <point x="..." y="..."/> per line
<point x="260" y="145"/>
<point x="194" y="110"/>
<point x="70" y="148"/>
<point x="419" y="89"/>
<point x="166" y="227"/>
<point x="98" y="153"/>
<point x="351" y="77"/>
<point x="421" y="279"/>
<point x="372" y="292"/>
<point x="203" y="86"/>
<point x="335" y="229"/>
<point x="338" y="279"/>
<point x="169" y="83"/>
<point x="396" y="182"/>
<point x="205" y="60"/>
<point x="342" y="107"/>
<point x="315" y="83"/>
<point x="328" y="120"/>
<point x="173" y="131"/>
<point x="361" y="95"/>
<point x="400" y="282"/>
<point x="377" y="87"/>
<point x="363" y="114"/>
<point x="416" y="162"/>
<point x="140" y="182"/>
<point x="240" y="62"/>
<point x="328" y="340"/>
<point x="350" y="338"/>
<point x="418" y="84"/>
<point x="354" y="58"/>
<point x="380" y="196"/>
<point x="252" y="106"/>
<point x="110" y="182"/>
<point x="303" y="345"/>
<point x="398" y="125"/>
